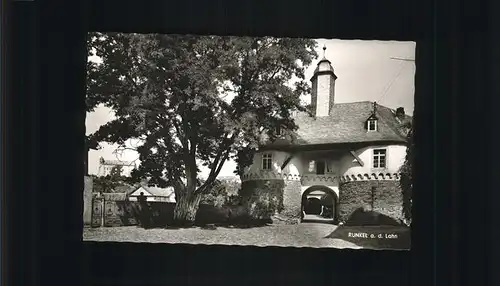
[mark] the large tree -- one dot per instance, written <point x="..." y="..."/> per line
<point x="191" y="100"/>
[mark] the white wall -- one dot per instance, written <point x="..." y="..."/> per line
<point x="279" y="158"/>
<point x="342" y="163"/>
<point x="105" y="170"/>
<point x="153" y="199"/>
<point x="323" y="94"/>
<point x="138" y="192"/>
<point x="394" y="159"/>
<point x="133" y="197"/>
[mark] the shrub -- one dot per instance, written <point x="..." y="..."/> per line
<point x="263" y="198"/>
<point x="223" y="192"/>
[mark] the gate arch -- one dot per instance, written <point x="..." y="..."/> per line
<point x="323" y="195"/>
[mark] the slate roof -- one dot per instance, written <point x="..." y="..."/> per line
<point x="346" y="124"/>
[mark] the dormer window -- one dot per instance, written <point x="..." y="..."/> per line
<point x="372" y="125"/>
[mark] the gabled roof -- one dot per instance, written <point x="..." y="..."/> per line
<point x="158" y="192"/>
<point x="346" y="124"/>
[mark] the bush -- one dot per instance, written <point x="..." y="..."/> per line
<point x="263" y="198"/>
<point x="222" y="193"/>
<point x="265" y="207"/>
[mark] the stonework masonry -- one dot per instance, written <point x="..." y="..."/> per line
<point x="386" y="199"/>
<point x="87" y="200"/>
<point x="292" y="199"/>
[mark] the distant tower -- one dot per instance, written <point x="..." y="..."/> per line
<point x="323" y="87"/>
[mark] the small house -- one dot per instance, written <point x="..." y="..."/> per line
<point x="153" y="194"/>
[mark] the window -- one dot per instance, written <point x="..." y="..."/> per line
<point x="379" y="158"/>
<point x="312" y="165"/>
<point x="320" y="167"/>
<point x="372" y="125"/>
<point x="330" y="168"/>
<point x="267" y="161"/>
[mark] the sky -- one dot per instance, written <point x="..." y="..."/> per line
<point x="365" y="72"/>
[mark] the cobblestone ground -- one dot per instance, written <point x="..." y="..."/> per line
<point x="300" y="235"/>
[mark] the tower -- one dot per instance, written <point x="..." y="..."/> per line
<point x="323" y="87"/>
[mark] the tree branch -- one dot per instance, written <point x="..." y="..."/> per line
<point x="218" y="162"/>
<point x="181" y="136"/>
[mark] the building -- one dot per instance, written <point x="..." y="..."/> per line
<point x="106" y="166"/>
<point x="153" y="194"/>
<point x="348" y="152"/>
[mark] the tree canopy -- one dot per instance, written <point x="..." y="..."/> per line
<point x="192" y="100"/>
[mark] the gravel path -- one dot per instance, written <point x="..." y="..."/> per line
<point x="300" y="235"/>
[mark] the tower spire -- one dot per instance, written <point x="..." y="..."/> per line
<point x="323" y="87"/>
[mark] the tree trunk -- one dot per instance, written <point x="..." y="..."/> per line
<point x="185" y="210"/>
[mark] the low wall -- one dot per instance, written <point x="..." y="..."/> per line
<point x="387" y="198"/>
<point x="121" y="212"/>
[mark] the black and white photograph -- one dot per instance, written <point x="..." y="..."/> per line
<point x="254" y="141"/>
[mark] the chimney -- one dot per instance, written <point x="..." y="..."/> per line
<point x="323" y="88"/>
<point x="400" y="113"/>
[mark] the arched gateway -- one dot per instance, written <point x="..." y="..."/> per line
<point x="319" y="203"/>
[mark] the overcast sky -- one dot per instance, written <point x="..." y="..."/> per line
<point x="364" y="69"/>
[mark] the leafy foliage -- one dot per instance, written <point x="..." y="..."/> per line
<point x="223" y="192"/>
<point x="406" y="171"/>
<point x="114" y="182"/>
<point x="194" y="100"/>
<point x="116" y="172"/>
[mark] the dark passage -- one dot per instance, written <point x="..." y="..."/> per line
<point x="313" y="206"/>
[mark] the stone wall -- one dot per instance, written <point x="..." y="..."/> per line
<point x="87" y="200"/>
<point x="292" y="199"/>
<point x="387" y="198"/>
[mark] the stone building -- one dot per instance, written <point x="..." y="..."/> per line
<point x="346" y="155"/>
<point x="106" y="166"/>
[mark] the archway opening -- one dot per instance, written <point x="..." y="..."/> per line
<point x="319" y="204"/>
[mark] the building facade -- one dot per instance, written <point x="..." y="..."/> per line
<point x="107" y="166"/>
<point x="348" y="152"/>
